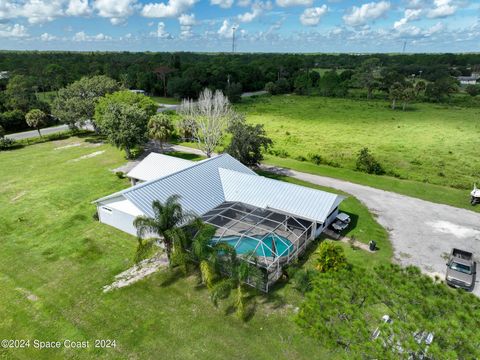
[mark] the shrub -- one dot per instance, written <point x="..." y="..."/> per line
<point x="280" y="153"/>
<point x="7" y="143"/>
<point x="303" y="280"/>
<point x="330" y="257"/>
<point x="315" y="158"/>
<point x="120" y="174"/>
<point x="367" y="163"/>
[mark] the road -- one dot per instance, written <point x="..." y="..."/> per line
<point x="422" y="233"/>
<point x="34" y="133"/>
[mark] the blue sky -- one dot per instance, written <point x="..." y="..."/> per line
<point x="261" y="25"/>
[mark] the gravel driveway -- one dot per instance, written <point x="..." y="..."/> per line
<point x="422" y="233"/>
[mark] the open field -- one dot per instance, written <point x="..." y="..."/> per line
<point x="429" y="144"/>
<point x="56" y="258"/>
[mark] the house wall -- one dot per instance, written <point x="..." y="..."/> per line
<point x="116" y="218"/>
<point x="330" y="219"/>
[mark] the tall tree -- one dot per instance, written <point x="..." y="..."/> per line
<point x="366" y="75"/>
<point x="124" y="125"/>
<point x="210" y="116"/>
<point x="160" y="128"/>
<point x="166" y="224"/>
<point x="395" y="93"/>
<point x="2" y="132"/>
<point x="247" y="142"/>
<point x="36" y="119"/>
<point x="75" y="104"/>
<point x="20" y="93"/>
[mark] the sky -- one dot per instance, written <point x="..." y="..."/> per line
<point x="260" y="25"/>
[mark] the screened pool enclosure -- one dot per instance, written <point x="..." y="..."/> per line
<point x="266" y="237"/>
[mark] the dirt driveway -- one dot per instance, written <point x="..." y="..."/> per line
<point x="422" y="233"/>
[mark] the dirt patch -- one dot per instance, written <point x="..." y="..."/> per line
<point x="18" y="196"/>
<point x="88" y="156"/>
<point x="30" y="296"/>
<point x="458" y="231"/>
<point x="137" y="272"/>
<point x="68" y="146"/>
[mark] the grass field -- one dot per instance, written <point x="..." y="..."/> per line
<point x="428" y="144"/>
<point x="165" y="100"/>
<point x="56" y="258"/>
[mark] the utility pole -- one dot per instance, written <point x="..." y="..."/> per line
<point x="404" y="46"/>
<point x="234" y="28"/>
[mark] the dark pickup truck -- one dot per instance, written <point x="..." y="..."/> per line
<point x="461" y="269"/>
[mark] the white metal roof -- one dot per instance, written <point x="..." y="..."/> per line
<point x="208" y="183"/>
<point x="267" y="193"/>
<point x="157" y="165"/>
<point x="125" y="206"/>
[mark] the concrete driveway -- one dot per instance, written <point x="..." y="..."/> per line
<point x="422" y="233"/>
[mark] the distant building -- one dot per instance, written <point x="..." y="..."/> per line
<point x="135" y="91"/>
<point x="469" y="80"/>
<point x="4" y="75"/>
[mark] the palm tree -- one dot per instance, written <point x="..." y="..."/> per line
<point x="239" y="272"/>
<point x="166" y="222"/>
<point x="160" y="127"/>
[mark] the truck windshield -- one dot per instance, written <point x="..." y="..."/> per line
<point x="461" y="268"/>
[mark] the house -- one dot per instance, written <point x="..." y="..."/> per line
<point x="155" y="166"/>
<point x="136" y="91"/>
<point x="4" y="75"/>
<point x="469" y="80"/>
<point x="268" y="222"/>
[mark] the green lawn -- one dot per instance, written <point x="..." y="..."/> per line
<point x="165" y="100"/>
<point x="427" y="145"/>
<point x="56" y="258"/>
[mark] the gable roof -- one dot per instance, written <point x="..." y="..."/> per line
<point x="268" y="193"/>
<point x="206" y="184"/>
<point x="157" y="165"/>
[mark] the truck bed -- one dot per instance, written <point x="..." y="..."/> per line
<point x="462" y="254"/>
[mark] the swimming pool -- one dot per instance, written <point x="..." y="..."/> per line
<point x="247" y="244"/>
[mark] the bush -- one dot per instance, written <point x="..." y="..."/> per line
<point x="473" y="90"/>
<point x="315" y="158"/>
<point x="330" y="257"/>
<point x="367" y="163"/>
<point x="302" y="280"/>
<point x="280" y="153"/>
<point x="120" y="174"/>
<point x="6" y="144"/>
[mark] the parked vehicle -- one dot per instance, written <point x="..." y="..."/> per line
<point x="475" y="195"/>
<point x="341" y="222"/>
<point x="461" y="269"/>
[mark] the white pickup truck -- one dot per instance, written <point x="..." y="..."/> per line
<point x="475" y="195"/>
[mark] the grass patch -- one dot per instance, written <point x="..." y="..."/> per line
<point x="435" y="144"/>
<point x="165" y="100"/>
<point x="53" y="249"/>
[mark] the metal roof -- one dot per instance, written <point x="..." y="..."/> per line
<point x="157" y="165"/>
<point x="268" y="193"/>
<point x="199" y="186"/>
<point x="208" y="183"/>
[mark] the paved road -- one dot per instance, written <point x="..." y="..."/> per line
<point x="34" y="133"/>
<point x="422" y="233"/>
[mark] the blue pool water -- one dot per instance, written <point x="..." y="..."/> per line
<point x="283" y="248"/>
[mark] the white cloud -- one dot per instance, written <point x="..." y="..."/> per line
<point x="15" y="31"/>
<point x="40" y="11"/>
<point x="409" y="15"/>
<point x="367" y="12"/>
<point x="161" y="33"/>
<point x="115" y="10"/>
<point x="186" y="23"/>
<point x="257" y="9"/>
<point x="311" y="16"/>
<point x="82" y="36"/>
<point x="243" y="3"/>
<point x="287" y="3"/>
<point x="171" y="9"/>
<point x="78" y="8"/>
<point x="225" y="4"/>
<point x="226" y="30"/>
<point x="47" y="37"/>
<point x="443" y="8"/>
